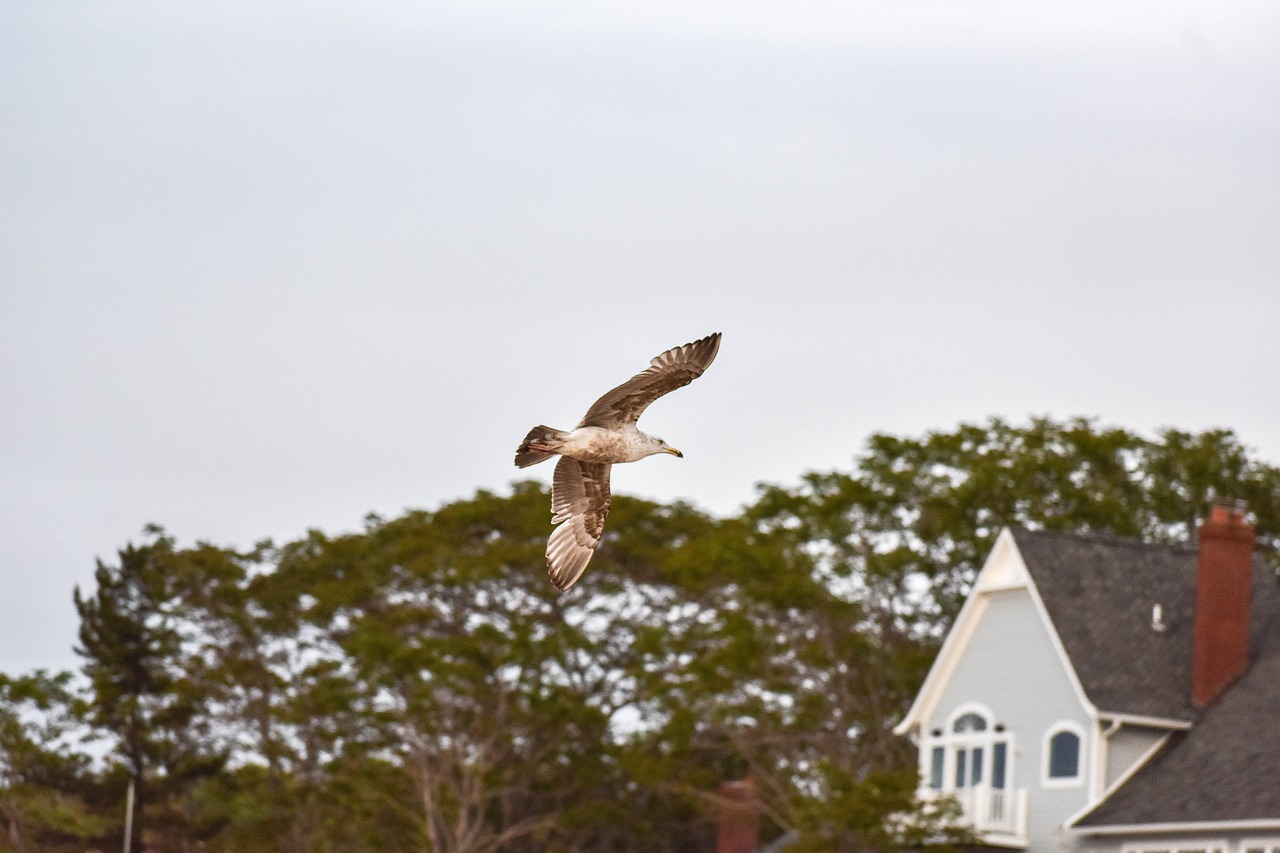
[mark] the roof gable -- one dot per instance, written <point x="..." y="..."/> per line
<point x="1095" y="596"/>
<point x="1003" y="570"/>
<point x="1099" y="593"/>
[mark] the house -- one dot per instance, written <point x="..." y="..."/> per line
<point x="1097" y="694"/>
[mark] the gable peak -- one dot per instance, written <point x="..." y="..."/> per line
<point x="1004" y="568"/>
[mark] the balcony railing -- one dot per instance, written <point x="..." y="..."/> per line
<point x="997" y="814"/>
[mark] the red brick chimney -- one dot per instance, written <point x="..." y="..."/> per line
<point x="739" y="818"/>
<point x="1224" y="588"/>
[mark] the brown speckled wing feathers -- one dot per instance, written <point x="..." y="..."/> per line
<point x="580" y="500"/>
<point x="673" y="369"/>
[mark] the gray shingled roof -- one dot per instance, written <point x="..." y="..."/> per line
<point x="1099" y="593"/>
<point x="1227" y="767"/>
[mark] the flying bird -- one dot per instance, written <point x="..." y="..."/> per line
<point x="606" y="435"/>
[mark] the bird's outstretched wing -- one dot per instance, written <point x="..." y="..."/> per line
<point x="580" y="500"/>
<point x="673" y="369"/>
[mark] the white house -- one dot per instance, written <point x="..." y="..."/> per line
<point x="1098" y="694"/>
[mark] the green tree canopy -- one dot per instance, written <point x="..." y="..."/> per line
<point x="419" y="685"/>
<point x="141" y="637"/>
<point x="42" y="771"/>
<point x="907" y="529"/>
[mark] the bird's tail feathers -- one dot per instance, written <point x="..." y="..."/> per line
<point x="540" y="444"/>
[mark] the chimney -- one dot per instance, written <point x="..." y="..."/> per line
<point x="1224" y="587"/>
<point x="739" y="818"/>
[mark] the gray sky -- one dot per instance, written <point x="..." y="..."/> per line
<point x="267" y="266"/>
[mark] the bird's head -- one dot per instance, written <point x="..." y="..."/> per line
<point x="661" y="446"/>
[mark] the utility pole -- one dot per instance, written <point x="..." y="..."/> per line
<point x="128" y="815"/>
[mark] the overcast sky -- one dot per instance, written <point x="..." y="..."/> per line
<point x="267" y="266"/>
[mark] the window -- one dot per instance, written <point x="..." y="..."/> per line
<point x="938" y="755"/>
<point x="968" y="752"/>
<point x="969" y="723"/>
<point x="1063" y="755"/>
<point x="999" y="755"/>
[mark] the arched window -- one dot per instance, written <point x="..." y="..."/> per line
<point x="967" y="752"/>
<point x="1063" y="754"/>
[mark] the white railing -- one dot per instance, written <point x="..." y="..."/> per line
<point x="992" y="811"/>
<point x="1001" y="810"/>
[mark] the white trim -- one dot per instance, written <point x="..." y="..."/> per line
<point x="927" y="746"/>
<point x="971" y="744"/>
<point x="1170" y="828"/>
<point x="948" y="656"/>
<point x="970" y="708"/>
<point x="1101" y="755"/>
<point x="1124" y="777"/>
<point x="1002" y="575"/>
<point x="1004" y="569"/>
<point x="1082" y="749"/>
<point x="1268" y="843"/>
<point x="1176" y="845"/>
<point x="1089" y="708"/>
<point x="1115" y="721"/>
<point x="1143" y="720"/>
<point x="952" y="742"/>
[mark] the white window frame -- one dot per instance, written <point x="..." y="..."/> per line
<point x="1077" y="780"/>
<point x="1177" y="845"/>
<point x="1267" y="844"/>
<point x="949" y="741"/>
<point x="966" y="741"/>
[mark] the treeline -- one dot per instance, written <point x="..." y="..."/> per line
<point x="420" y="686"/>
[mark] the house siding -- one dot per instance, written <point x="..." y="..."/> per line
<point x="1126" y="747"/>
<point x="1144" y="789"/>
<point x="1011" y="666"/>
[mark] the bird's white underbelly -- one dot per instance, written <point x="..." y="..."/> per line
<point x="596" y="444"/>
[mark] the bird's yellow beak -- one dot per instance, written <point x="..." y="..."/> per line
<point x="674" y="452"/>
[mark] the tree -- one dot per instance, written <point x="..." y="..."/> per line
<point x="905" y="532"/>
<point x="42" y="776"/>
<point x="145" y="681"/>
<point x="445" y="632"/>
<point x="420" y="686"/>
<point x="898" y="540"/>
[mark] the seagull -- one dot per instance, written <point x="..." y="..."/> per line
<point x="607" y="434"/>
